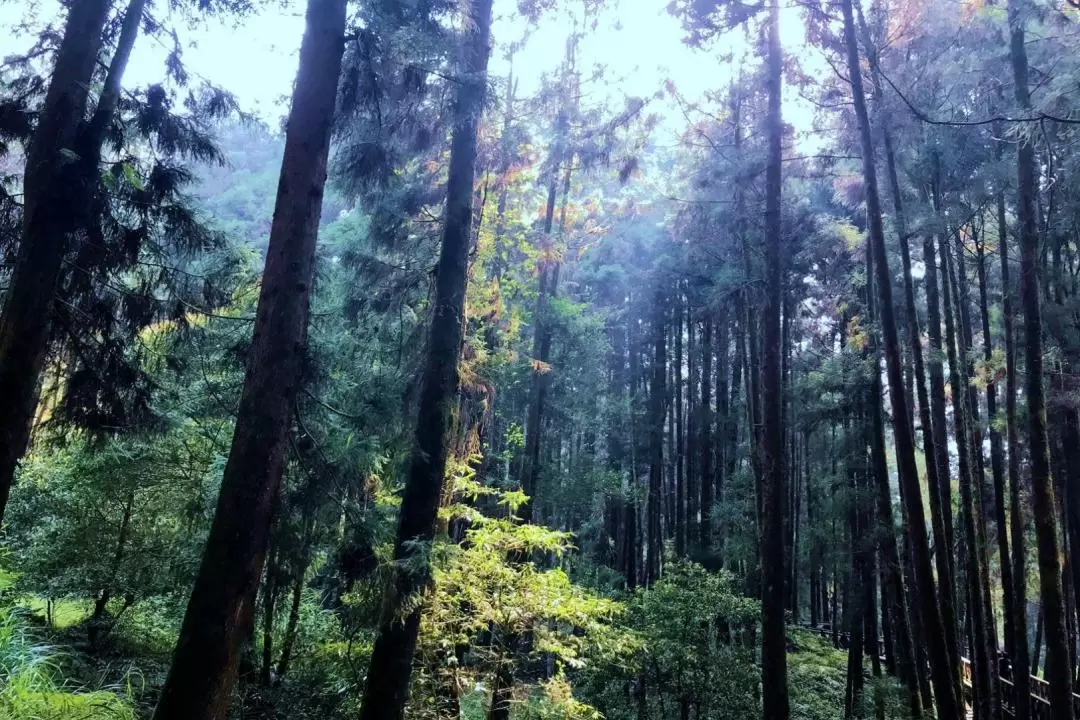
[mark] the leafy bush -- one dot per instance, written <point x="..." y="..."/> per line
<point x="687" y="658"/>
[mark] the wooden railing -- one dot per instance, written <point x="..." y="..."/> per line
<point x="1040" y="689"/>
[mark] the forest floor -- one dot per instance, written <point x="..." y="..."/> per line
<point x="130" y="662"/>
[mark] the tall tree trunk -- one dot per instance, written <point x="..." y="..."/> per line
<point x="893" y="586"/>
<point x="680" y="478"/>
<point x="1042" y="491"/>
<point x="997" y="462"/>
<point x="731" y="424"/>
<point x="983" y="501"/>
<point x="616" y="441"/>
<point x="942" y="673"/>
<point x="946" y="541"/>
<point x="288" y="642"/>
<point x="387" y="686"/>
<point x="938" y="482"/>
<point x="1020" y="659"/>
<point x="54" y="193"/>
<point x="705" y="467"/>
<point x="269" y="603"/>
<point x="983" y="664"/>
<point x="547" y="268"/>
<point x="657" y="396"/>
<point x="773" y="637"/>
<point x="219" y="613"/>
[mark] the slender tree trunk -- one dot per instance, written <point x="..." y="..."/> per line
<point x="942" y="673"/>
<point x="983" y="664"/>
<point x="947" y="540"/>
<point x="219" y="613"/>
<point x="907" y="669"/>
<point x="680" y="478"/>
<point x="937" y="480"/>
<point x="1020" y="658"/>
<point x="693" y="495"/>
<point x="997" y="463"/>
<point x="773" y="636"/>
<point x="269" y="606"/>
<point x="1042" y="493"/>
<point x="54" y="194"/>
<point x="387" y="685"/>
<point x="288" y="642"/>
<point x="657" y="395"/>
<point x="732" y="422"/>
<point x="548" y="277"/>
<point x="616" y="442"/>
<point x="705" y="467"/>
<point x="97" y="620"/>
<point x="982" y="494"/>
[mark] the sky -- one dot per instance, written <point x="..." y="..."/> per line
<point x="638" y="40"/>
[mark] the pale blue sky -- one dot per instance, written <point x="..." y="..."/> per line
<point x="638" y="41"/>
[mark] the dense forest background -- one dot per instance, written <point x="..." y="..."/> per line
<point x="442" y="398"/>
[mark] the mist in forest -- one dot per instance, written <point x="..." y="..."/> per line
<point x="539" y="359"/>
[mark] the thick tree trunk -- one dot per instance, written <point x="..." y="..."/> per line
<point x="54" y="194"/>
<point x="942" y="673"/>
<point x="219" y="613"/>
<point x="776" y="705"/>
<point x="387" y="686"/>
<point x="1042" y="491"/>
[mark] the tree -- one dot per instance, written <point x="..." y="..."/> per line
<point x="386" y="688"/>
<point x="54" y="192"/>
<point x="1043" y="504"/>
<point x="902" y="431"/>
<point x="219" y="613"/>
<point x="774" y="646"/>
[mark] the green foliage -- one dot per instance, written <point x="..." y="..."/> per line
<point x="124" y="515"/>
<point x="689" y="628"/>
<point x="502" y="604"/>
<point x="29" y="685"/>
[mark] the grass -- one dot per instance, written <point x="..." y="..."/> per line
<point x="66" y="612"/>
<point x="31" y="686"/>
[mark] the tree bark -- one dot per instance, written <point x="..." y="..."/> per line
<point x="997" y="462"/>
<point x="680" y="478"/>
<point x="1021" y="662"/>
<point x="893" y="588"/>
<point x="54" y="193"/>
<point x="983" y="665"/>
<point x="942" y="673"/>
<point x="705" y="445"/>
<point x="387" y="685"/>
<point x="657" y="396"/>
<point x="219" y="613"/>
<point x="776" y="704"/>
<point x="1042" y="491"/>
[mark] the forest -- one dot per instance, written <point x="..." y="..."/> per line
<point x="488" y="377"/>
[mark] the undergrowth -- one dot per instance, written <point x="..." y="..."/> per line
<point x="31" y="680"/>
